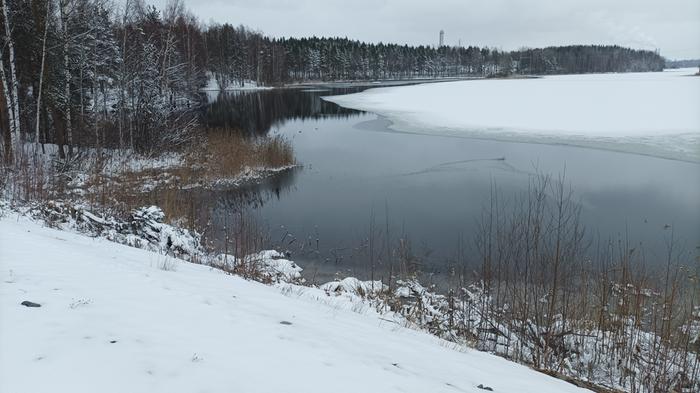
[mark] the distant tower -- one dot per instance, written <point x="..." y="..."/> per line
<point x="442" y="38"/>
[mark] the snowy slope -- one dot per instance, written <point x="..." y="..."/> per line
<point x="112" y="319"/>
<point x="648" y="113"/>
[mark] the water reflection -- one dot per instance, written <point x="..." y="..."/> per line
<point x="256" y="112"/>
<point x="228" y="207"/>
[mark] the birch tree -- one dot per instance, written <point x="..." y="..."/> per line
<point x="10" y="85"/>
<point x="63" y="19"/>
<point x="41" y="73"/>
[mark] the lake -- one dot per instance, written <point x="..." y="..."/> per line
<point x="434" y="188"/>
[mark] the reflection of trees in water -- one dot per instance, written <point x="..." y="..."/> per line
<point x="233" y="208"/>
<point x="252" y="195"/>
<point x="212" y="211"/>
<point x="256" y="112"/>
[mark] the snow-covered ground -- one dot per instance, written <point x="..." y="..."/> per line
<point x="121" y="319"/>
<point x="213" y="88"/>
<point x="214" y="85"/>
<point x="646" y="113"/>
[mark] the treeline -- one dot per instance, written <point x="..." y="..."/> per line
<point x="84" y="73"/>
<point x="689" y="63"/>
<point x="237" y="55"/>
<point x="337" y="58"/>
<point x="579" y="59"/>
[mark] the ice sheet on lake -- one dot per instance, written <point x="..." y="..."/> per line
<point x="646" y="113"/>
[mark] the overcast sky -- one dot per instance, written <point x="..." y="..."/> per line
<point x="672" y="26"/>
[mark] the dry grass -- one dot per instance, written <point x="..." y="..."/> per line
<point x="227" y="154"/>
<point x="222" y="157"/>
<point x="108" y="184"/>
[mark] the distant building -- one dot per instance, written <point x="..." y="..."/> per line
<point x="442" y="38"/>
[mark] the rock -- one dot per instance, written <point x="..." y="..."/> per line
<point x="27" y="303"/>
<point x="490" y="389"/>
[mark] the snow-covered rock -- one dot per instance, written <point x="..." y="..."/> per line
<point x="266" y="266"/>
<point x="354" y="286"/>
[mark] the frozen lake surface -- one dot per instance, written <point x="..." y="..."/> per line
<point x="647" y="113"/>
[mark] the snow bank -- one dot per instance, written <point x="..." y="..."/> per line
<point x="268" y="265"/>
<point x="117" y="319"/>
<point x="248" y="175"/>
<point x="214" y="85"/>
<point x="144" y="228"/>
<point x="647" y="113"/>
<point x="355" y="287"/>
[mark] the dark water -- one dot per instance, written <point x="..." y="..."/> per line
<point x="434" y="188"/>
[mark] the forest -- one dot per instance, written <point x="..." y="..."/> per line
<point x="84" y="73"/>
